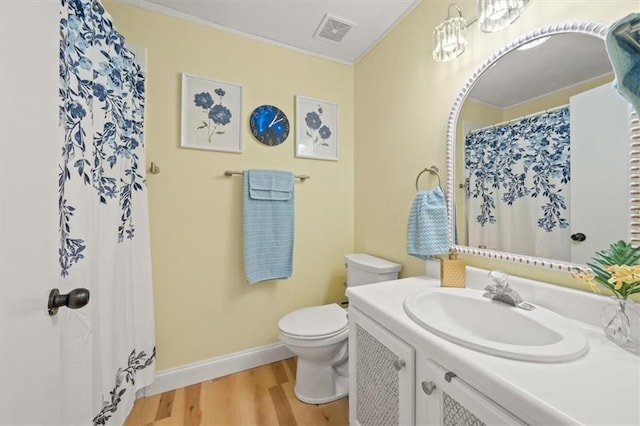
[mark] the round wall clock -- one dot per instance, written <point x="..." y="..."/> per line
<point x="269" y="125"/>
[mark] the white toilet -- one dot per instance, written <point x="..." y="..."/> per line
<point x="318" y="335"/>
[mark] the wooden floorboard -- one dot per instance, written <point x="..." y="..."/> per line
<point x="193" y="409"/>
<point x="256" y="397"/>
<point x="165" y="407"/>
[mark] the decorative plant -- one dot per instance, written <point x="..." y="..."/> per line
<point x="616" y="268"/>
<point x="216" y="113"/>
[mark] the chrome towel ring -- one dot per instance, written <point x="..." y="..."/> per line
<point x="432" y="170"/>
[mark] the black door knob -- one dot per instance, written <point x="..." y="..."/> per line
<point x="578" y="237"/>
<point x="75" y="299"/>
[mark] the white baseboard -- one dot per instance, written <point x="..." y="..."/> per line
<point x="202" y="371"/>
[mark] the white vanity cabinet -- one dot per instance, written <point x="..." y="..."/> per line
<point x="487" y="389"/>
<point x="392" y="385"/>
<point x="443" y="398"/>
<point x="381" y="374"/>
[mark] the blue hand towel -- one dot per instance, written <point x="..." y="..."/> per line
<point x="268" y="213"/>
<point x="625" y="60"/>
<point x="427" y="231"/>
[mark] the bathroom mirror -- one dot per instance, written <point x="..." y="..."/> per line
<point x="540" y="157"/>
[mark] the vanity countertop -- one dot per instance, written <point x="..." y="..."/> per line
<point x="600" y="388"/>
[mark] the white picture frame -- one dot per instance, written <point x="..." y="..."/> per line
<point x="211" y="114"/>
<point x="316" y="129"/>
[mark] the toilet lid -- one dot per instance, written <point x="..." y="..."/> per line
<point x="314" y="321"/>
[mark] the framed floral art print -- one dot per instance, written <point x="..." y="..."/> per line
<point x="211" y="114"/>
<point x="316" y="129"/>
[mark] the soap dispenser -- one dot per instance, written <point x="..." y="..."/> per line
<point x="453" y="271"/>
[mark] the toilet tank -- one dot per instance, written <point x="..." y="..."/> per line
<point x="363" y="268"/>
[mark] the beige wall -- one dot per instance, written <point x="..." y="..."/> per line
<point x="403" y="100"/>
<point x="204" y="306"/>
<point x="399" y="100"/>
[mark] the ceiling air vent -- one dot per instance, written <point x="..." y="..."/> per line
<point x="333" y="29"/>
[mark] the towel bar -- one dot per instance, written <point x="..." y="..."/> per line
<point x="229" y="173"/>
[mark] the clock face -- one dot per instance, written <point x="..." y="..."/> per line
<point x="269" y="125"/>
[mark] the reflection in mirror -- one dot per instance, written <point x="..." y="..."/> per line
<point x="541" y="141"/>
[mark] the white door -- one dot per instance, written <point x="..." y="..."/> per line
<point x="30" y="386"/>
<point x="600" y="139"/>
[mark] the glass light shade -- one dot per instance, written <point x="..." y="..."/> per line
<point x="494" y="15"/>
<point x="449" y="39"/>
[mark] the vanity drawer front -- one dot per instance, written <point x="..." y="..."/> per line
<point x="442" y="398"/>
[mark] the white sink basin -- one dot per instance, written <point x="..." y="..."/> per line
<point x="463" y="316"/>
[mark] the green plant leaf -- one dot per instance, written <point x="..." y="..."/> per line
<point x="619" y="253"/>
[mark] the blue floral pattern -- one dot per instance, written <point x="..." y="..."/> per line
<point x="316" y="130"/>
<point x="526" y="158"/>
<point x="136" y="361"/>
<point x="218" y="113"/>
<point x="101" y="111"/>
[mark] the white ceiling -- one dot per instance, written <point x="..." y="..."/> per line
<point x="560" y="62"/>
<point x="294" y="22"/>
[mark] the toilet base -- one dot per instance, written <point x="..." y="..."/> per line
<point x="318" y="383"/>
<point x="323" y="369"/>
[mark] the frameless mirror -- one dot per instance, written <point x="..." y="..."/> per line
<point x="539" y="152"/>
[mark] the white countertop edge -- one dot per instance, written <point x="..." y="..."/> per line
<point x="603" y="387"/>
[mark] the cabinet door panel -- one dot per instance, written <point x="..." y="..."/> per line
<point x="454" y="402"/>
<point x="381" y="373"/>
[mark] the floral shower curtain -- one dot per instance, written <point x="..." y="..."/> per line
<point x="517" y="185"/>
<point x="108" y="347"/>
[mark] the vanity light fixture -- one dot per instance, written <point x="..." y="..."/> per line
<point x="495" y="15"/>
<point x="450" y="36"/>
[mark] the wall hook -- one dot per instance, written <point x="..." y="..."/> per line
<point x="154" y="169"/>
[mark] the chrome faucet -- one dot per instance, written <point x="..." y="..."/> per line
<point x="501" y="291"/>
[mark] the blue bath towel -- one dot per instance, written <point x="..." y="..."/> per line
<point x="625" y="60"/>
<point x="427" y="231"/>
<point x="268" y="213"/>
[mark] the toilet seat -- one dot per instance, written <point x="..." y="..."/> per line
<point x="316" y="322"/>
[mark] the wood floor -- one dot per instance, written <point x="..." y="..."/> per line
<point x="260" y="396"/>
